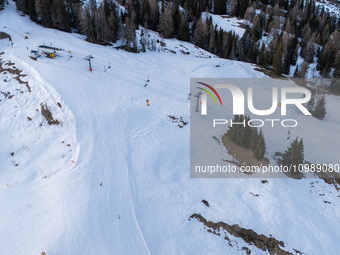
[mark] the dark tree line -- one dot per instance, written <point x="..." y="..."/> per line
<point x="2" y="3"/>
<point x="295" y="27"/>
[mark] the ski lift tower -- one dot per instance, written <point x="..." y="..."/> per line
<point x="88" y="58"/>
<point x="198" y="99"/>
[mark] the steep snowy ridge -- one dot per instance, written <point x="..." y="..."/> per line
<point x="138" y="154"/>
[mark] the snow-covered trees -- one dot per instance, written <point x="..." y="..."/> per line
<point x="303" y="27"/>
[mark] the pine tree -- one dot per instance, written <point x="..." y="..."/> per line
<point x="294" y="54"/>
<point x="198" y="10"/>
<point x="154" y="15"/>
<point x="232" y="132"/>
<point x="20" y="4"/>
<point x="184" y="32"/>
<point x="43" y="12"/>
<point x="146" y="9"/>
<point x="334" y="86"/>
<point x="296" y="72"/>
<point x="251" y="55"/>
<point x="199" y="34"/>
<point x="247" y="17"/>
<point x="256" y="30"/>
<point x="294" y="155"/>
<point x="260" y="147"/>
<point x="87" y="24"/>
<point x="166" y="24"/>
<point x="298" y="154"/>
<point x="239" y="134"/>
<point x="253" y="138"/>
<point x="286" y="64"/>
<point x="31" y="10"/>
<point x="129" y="33"/>
<point x="304" y="68"/>
<point x="310" y="105"/>
<point x="143" y="41"/>
<point x="277" y="61"/>
<point x="262" y="60"/>
<point x="220" y="7"/>
<point x="234" y="4"/>
<point x="243" y="5"/>
<point x="246" y="133"/>
<point x="59" y="16"/>
<point x="212" y="41"/>
<point x="176" y="16"/>
<point x="320" y="108"/>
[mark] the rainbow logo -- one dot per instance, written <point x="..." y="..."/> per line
<point x="209" y="93"/>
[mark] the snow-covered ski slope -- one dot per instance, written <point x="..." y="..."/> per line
<point x="54" y="201"/>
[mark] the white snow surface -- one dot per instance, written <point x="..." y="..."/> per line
<point x="226" y="23"/>
<point x="332" y="7"/>
<point x="53" y="201"/>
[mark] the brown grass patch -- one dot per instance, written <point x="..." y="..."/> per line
<point x="262" y="242"/>
<point x="3" y="35"/>
<point x="48" y="116"/>
<point x="243" y="156"/>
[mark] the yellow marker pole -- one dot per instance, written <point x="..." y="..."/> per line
<point x="147" y="102"/>
<point x="279" y="104"/>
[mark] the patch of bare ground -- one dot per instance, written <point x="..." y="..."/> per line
<point x="242" y="156"/>
<point x="242" y="25"/>
<point x="14" y="71"/>
<point x="179" y="120"/>
<point x="329" y="176"/>
<point x="262" y="242"/>
<point x="7" y="94"/>
<point x="294" y="175"/>
<point x="205" y="202"/>
<point x="3" y="35"/>
<point x="9" y="63"/>
<point x="226" y="17"/>
<point x="269" y="73"/>
<point x="309" y="84"/>
<point x="185" y="52"/>
<point x="325" y="173"/>
<point x="173" y="52"/>
<point x="216" y="139"/>
<point x="48" y="115"/>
